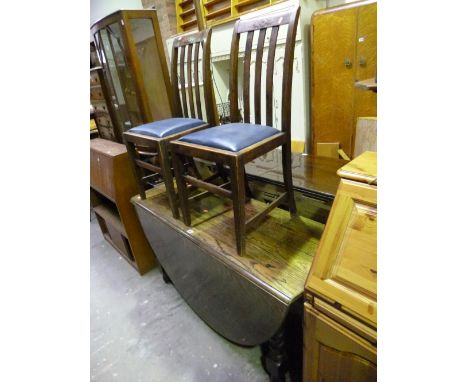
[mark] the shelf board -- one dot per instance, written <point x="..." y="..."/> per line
<point x="183" y="3"/>
<point x="213" y="2"/>
<point x="188" y="24"/>
<point x="244" y="3"/>
<point x="188" y="12"/>
<point x="111" y="217"/>
<point x="219" y="12"/>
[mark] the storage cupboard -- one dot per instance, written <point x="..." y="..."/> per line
<point x="112" y="186"/>
<point x="131" y="53"/>
<point x="344" y="51"/>
<point x="340" y="323"/>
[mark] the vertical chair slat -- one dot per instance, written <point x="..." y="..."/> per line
<point x="210" y="101"/>
<point x="189" y="80"/>
<point x="197" y="82"/>
<point x="175" y="81"/>
<point x="233" y="91"/>
<point x="258" y="77"/>
<point x="182" y="80"/>
<point x="269" y="75"/>
<point x="288" y="75"/>
<point x="248" y="53"/>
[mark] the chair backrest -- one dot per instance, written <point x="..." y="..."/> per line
<point x="273" y="21"/>
<point x="185" y="61"/>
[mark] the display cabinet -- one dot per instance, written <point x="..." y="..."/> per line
<point x="340" y="322"/>
<point x="131" y="53"/>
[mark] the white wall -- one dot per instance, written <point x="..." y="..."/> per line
<point x="102" y="8"/>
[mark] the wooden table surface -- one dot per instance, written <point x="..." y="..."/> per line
<point x="279" y="251"/>
<point x="315" y="174"/>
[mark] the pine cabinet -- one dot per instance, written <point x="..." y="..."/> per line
<point x="340" y="323"/>
<point x="344" y="51"/>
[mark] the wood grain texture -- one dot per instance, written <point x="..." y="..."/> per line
<point x="278" y="252"/>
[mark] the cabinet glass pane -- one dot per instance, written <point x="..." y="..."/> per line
<point x="151" y="65"/>
<point x="122" y="81"/>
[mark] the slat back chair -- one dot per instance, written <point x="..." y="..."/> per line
<point x="147" y="144"/>
<point x="236" y="143"/>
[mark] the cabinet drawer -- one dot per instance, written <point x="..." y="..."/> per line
<point x="345" y="265"/>
<point x="94" y="80"/>
<point x="102" y="174"/>
<point x="346" y="320"/>
<point x="334" y="353"/>
<point x="96" y="94"/>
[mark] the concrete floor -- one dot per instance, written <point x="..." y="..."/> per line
<point x="142" y="330"/>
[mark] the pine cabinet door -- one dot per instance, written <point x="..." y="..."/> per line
<point x="345" y="265"/>
<point x="333" y="353"/>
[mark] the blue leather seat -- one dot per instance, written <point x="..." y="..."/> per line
<point x="165" y="127"/>
<point x="231" y="137"/>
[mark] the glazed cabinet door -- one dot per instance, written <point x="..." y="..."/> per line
<point x="333" y="353"/>
<point x="345" y="265"/>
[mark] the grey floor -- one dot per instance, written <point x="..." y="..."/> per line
<point x="142" y="330"/>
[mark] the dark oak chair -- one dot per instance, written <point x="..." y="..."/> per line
<point x="237" y="143"/>
<point x="147" y="144"/>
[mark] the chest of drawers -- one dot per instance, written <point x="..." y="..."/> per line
<point x="99" y="97"/>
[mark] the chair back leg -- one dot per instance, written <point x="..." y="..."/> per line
<point x="178" y="165"/>
<point x="238" y="202"/>
<point x="166" y="173"/>
<point x="137" y="170"/>
<point x="287" y="177"/>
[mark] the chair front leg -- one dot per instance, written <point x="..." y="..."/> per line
<point x="178" y="165"/>
<point x="238" y="201"/>
<point x="137" y="170"/>
<point x="166" y="173"/>
<point x="287" y="177"/>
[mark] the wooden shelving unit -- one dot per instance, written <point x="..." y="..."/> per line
<point x="215" y="12"/>
<point x="112" y="186"/>
<point x="186" y="15"/>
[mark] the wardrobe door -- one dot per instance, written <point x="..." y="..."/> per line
<point x="333" y="67"/>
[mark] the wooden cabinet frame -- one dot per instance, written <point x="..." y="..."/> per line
<point x="122" y="18"/>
